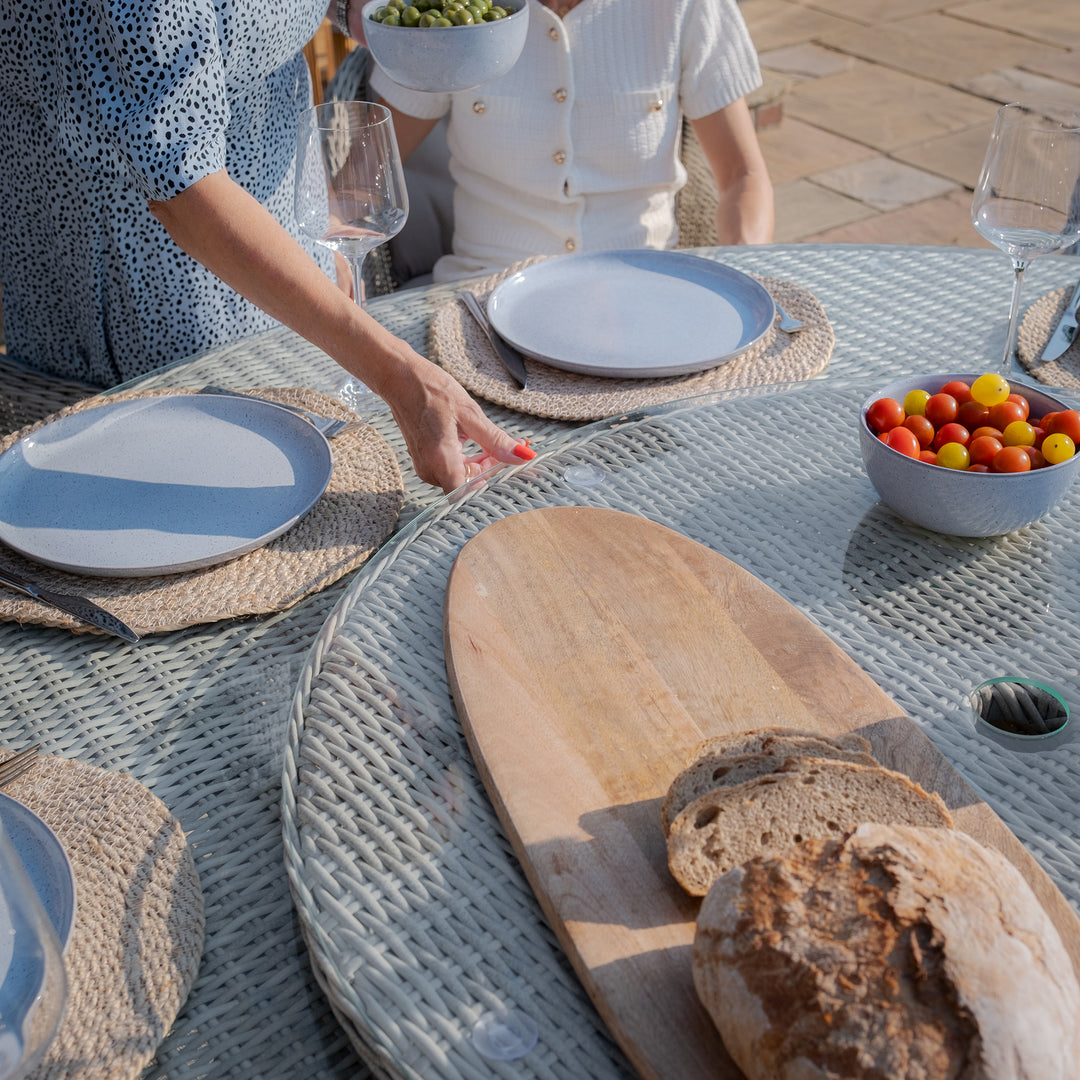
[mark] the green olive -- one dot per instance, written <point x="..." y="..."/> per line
<point x="425" y="13"/>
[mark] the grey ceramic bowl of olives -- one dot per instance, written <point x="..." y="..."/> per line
<point x="441" y="58"/>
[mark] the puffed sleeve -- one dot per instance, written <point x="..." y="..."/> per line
<point x="719" y="64"/>
<point x="146" y="88"/>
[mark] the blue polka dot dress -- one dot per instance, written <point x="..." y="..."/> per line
<point x="109" y="104"/>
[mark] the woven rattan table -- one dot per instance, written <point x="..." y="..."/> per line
<point x="202" y="716"/>
<point x="420" y="921"/>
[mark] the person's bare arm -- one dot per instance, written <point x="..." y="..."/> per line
<point x="745" y="211"/>
<point x="235" y="237"/>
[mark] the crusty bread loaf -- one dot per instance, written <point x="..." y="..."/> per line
<point x="806" y="797"/>
<point x="716" y="766"/>
<point x="892" y="953"/>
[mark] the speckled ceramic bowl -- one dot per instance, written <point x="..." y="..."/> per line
<point x="449" y="58"/>
<point x="962" y="503"/>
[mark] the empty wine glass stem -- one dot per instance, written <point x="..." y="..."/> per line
<point x="356" y="265"/>
<point x="1019" y="266"/>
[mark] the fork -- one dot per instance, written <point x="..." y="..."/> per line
<point x="17" y="764"/>
<point x="327" y="425"/>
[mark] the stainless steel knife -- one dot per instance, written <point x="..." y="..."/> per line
<point x="84" y="610"/>
<point x="511" y="359"/>
<point x="1063" y="336"/>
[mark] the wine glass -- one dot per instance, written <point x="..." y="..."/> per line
<point x="1027" y="200"/>
<point x="350" y="188"/>
<point x="33" y="984"/>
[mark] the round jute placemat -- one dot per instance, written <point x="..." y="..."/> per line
<point x="356" y="513"/>
<point x="460" y="346"/>
<point x="1034" y="332"/>
<point x="137" y="939"/>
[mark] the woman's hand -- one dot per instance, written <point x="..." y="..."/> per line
<point x="437" y="418"/>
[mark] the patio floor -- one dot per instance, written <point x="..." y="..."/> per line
<point x="887" y="105"/>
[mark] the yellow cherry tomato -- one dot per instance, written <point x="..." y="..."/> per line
<point x="915" y="402"/>
<point x="1056" y="448"/>
<point x="990" y="389"/>
<point x="954" y="455"/>
<point x="1018" y="433"/>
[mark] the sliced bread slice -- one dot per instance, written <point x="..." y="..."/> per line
<point x="765" y="739"/>
<point x="720" y="768"/>
<point x="808" y="797"/>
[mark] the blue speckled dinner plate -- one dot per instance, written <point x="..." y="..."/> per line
<point x="159" y="485"/>
<point x="631" y="314"/>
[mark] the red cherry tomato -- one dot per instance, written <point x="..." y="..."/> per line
<point x="978" y="468"/>
<point x="1040" y="434"/>
<point x="957" y="389"/>
<point x="991" y="432"/>
<point x="1011" y="459"/>
<point x="928" y="456"/>
<point x="1066" y="422"/>
<point x="1036" y="455"/>
<point x="953" y="432"/>
<point x="905" y="440"/>
<point x="1004" y="413"/>
<point x="1023" y="403"/>
<point x="1044" y="421"/>
<point x="885" y="414"/>
<point x="923" y="429"/>
<point x="984" y="449"/>
<point x="941" y="409"/>
<point x="972" y="415"/>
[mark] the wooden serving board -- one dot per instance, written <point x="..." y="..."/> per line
<point x="589" y="652"/>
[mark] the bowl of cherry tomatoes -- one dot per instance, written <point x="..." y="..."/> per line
<point x="969" y="454"/>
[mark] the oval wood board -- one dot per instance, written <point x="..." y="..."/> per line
<point x="589" y="652"/>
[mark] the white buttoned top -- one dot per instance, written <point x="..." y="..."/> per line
<point x="576" y="147"/>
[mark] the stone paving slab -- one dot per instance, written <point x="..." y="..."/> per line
<point x="794" y="150"/>
<point x="883" y="183"/>
<point x="883" y="108"/>
<point x="804" y="208"/>
<point x="775" y="24"/>
<point x="934" y="46"/>
<point x="944" y="221"/>
<point x="957" y="156"/>
<point x="1052" y="21"/>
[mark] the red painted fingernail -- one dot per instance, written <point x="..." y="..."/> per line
<point x="523" y="451"/>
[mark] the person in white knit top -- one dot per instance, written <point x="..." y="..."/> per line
<point x="577" y="147"/>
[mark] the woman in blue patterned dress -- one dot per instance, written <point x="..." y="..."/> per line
<point x="146" y="199"/>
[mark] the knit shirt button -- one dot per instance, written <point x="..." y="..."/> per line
<point x="559" y="157"/>
<point x="570" y="245"/>
<point x="478" y="107"/>
<point x="560" y="95"/>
